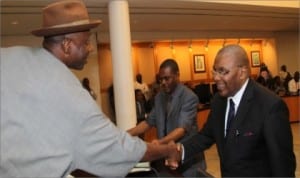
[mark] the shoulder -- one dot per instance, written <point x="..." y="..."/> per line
<point x="15" y="51"/>
<point x="186" y="93"/>
<point x="217" y="99"/>
<point x="292" y="81"/>
<point x="260" y="94"/>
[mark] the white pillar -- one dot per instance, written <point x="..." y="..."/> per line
<point x="120" y="44"/>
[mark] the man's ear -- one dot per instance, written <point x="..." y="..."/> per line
<point x="244" y="72"/>
<point x="65" y="44"/>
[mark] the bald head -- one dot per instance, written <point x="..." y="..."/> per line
<point x="231" y="69"/>
<point x="236" y="53"/>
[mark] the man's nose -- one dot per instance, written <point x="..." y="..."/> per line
<point x="216" y="77"/>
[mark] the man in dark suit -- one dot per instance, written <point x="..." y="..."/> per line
<point x="258" y="140"/>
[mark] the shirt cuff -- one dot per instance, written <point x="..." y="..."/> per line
<point x="182" y="154"/>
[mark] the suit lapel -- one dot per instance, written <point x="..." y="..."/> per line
<point x="221" y="114"/>
<point x="175" y="101"/>
<point x="243" y="108"/>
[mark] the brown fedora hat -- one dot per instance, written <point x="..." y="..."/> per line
<point x="65" y="16"/>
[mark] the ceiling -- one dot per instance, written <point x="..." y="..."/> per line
<point x="164" y="19"/>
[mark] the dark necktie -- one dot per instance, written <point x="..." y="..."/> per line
<point x="230" y="116"/>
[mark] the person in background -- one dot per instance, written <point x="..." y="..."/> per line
<point x="285" y="77"/>
<point x="50" y="125"/>
<point x="278" y="87"/>
<point x="111" y="99"/>
<point x="174" y="114"/>
<point x="294" y="84"/>
<point x="141" y="107"/>
<point x="248" y="123"/>
<point x="139" y="84"/>
<point x="265" y="78"/>
<point x="155" y="88"/>
<point x="86" y="84"/>
<point x="140" y="101"/>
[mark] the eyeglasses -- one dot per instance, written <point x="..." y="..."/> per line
<point x="220" y="72"/>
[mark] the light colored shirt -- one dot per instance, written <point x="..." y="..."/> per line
<point x="51" y="126"/>
<point x="294" y="86"/>
<point x="236" y="99"/>
<point x="143" y="87"/>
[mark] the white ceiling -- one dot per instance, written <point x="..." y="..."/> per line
<point x="162" y="19"/>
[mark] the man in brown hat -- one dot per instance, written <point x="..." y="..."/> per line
<point x="50" y="125"/>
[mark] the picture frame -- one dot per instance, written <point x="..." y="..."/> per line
<point x="199" y="63"/>
<point x="255" y="58"/>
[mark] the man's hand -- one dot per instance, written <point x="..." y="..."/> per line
<point x="155" y="141"/>
<point x="174" y="158"/>
<point x="170" y="152"/>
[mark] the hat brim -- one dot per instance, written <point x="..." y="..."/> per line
<point x="63" y="30"/>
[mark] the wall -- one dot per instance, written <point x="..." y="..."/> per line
<point x="149" y="57"/>
<point x="144" y="61"/>
<point x="270" y="55"/>
<point x="287" y="47"/>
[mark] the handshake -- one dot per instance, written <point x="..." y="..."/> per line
<point x="159" y="149"/>
<point x="172" y="153"/>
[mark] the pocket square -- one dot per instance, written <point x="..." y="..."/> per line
<point x="247" y="134"/>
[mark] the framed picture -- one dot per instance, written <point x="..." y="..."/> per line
<point x="199" y="63"/>
<point x="255" y="58"/>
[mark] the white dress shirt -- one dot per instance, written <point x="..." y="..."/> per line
<point x="236" y="99"/>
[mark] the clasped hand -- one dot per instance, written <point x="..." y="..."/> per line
<point x="174" y="156"/>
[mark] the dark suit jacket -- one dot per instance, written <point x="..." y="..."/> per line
<point x="260" y="140"/>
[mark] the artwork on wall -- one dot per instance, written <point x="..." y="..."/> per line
<point x="199" y="63"/>
<point x="255" y="58"/>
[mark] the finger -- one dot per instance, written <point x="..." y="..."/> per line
<point x="173" y="164"/>
<point x="178" y="147"/>
<point x="173" y="168"/>
<point x="167" y="163"/>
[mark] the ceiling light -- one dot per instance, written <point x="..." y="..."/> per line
<point x="15" y="22"/>
<point x="224" y="42"/>
<point x="190" y="46"/>
<point x="206" y="45"/>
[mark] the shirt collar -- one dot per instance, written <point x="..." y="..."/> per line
<point x="238" y="96"/>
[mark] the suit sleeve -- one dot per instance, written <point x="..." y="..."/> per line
<point x="200" y="141"/>
<point x="101" y="147"/>
<point x="279" y="141"/>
